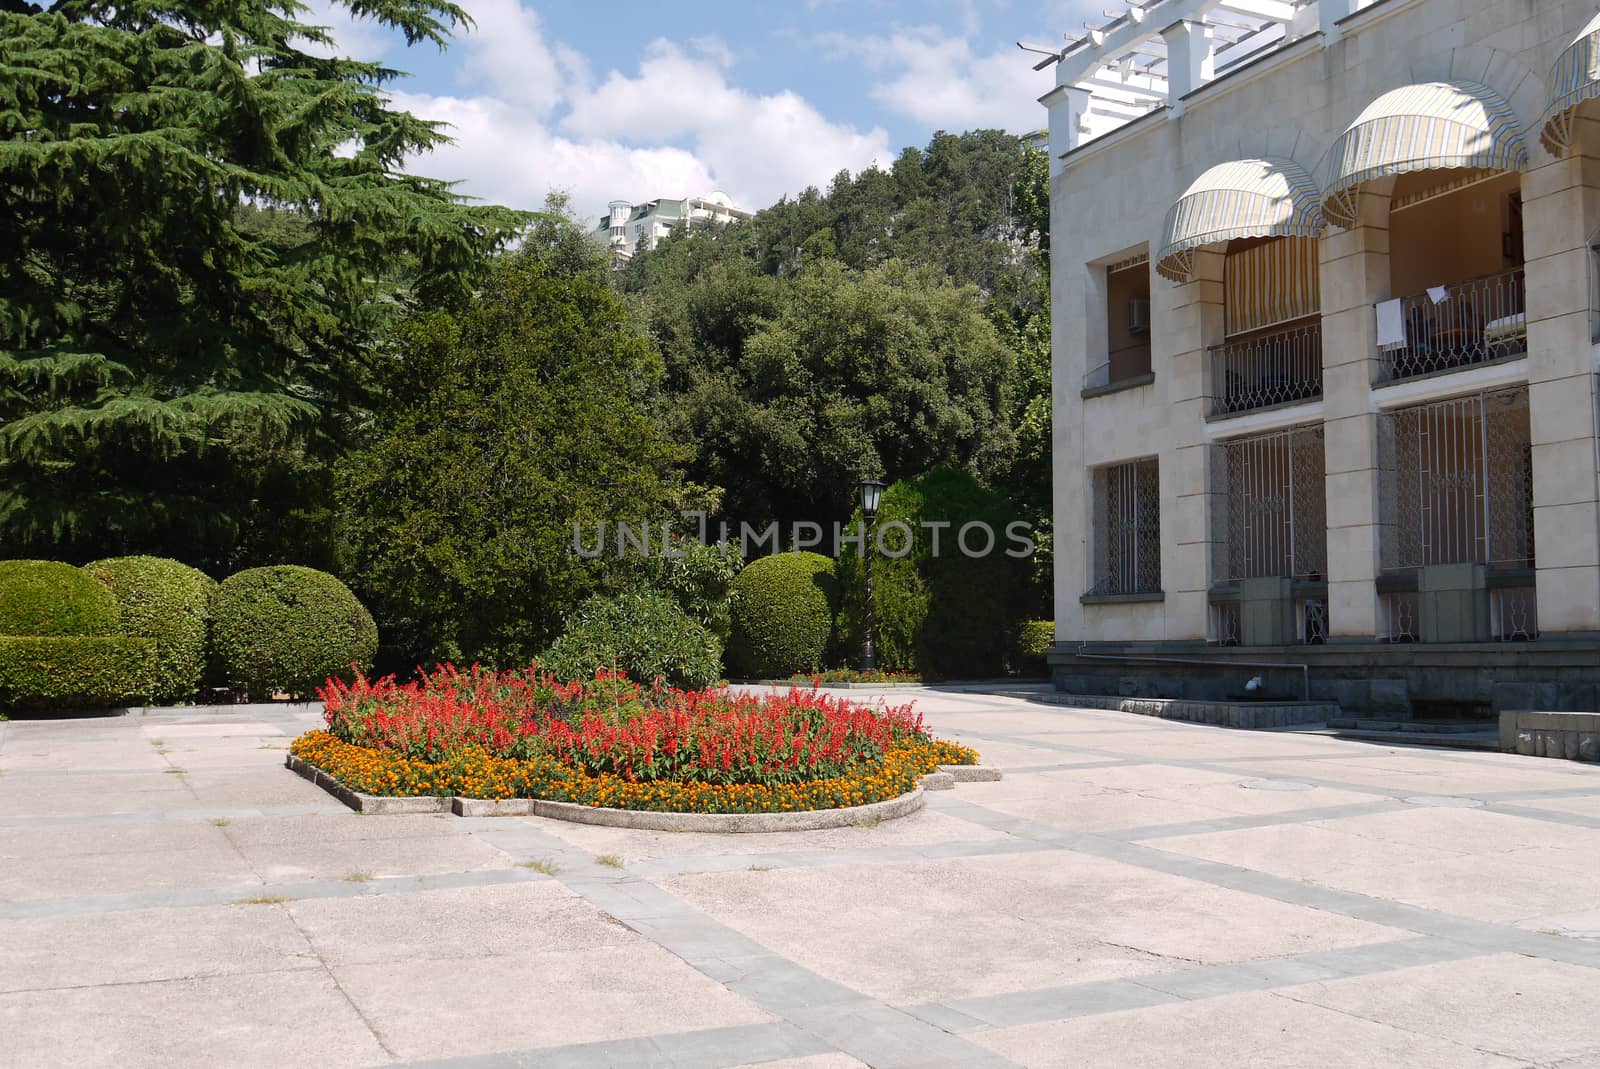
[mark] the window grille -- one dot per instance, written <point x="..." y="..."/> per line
<point x="1457" y="482"/>
<point x="1277" y="506"/>
<point x="1127" y="529"/>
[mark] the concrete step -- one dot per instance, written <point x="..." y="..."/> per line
<point x="1460" y="727"/>
<point x="1455" y="740"/>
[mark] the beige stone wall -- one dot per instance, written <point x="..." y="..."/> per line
<point x="1111" y="196"/>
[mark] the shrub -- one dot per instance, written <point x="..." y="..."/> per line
<point x="42" y="597"/>
<point x="697" y="576"/>
<point x="57" y="671"/>
<point x="1034" y="639"/>
<point x="782" y="611"/>
<point x="947" y="615"/>
<point x="288" y="628"/>
<point x="170" y="603"/>
<point x="645" y="635"/>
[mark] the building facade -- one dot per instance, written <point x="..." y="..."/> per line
<point x="627" y="228"/>
<point x="1325" y="362"/>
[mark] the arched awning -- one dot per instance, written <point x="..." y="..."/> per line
<point x="1433" y="126"/>
<point x="1258" y="198"/>
<point x="1574" y="79"/>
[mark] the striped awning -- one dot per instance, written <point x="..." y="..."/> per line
<point x="1258" y="198"/>
<point x="1433" y="126"/>
<point x="1574" y="79"/>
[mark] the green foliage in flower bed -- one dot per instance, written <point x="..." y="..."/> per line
<point x="59" y="671"/>
<point x="169" y="603"/>
<point x="854" y="675"/>
<point x="645" y="635"/>
<point x="782" y="615"/>
<point x="42" y="597"/>
<point x="287" y="628"/>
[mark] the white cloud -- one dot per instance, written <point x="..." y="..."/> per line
<point x="505" y="156"/>
<point x="940" y="81"/>
<point x="529" y="118"/>
<point x="353" y="37"/>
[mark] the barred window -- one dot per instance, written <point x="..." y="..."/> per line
<point x="1127" y="529"/>
<point x="1277" y="507"/>
<point x="1457" y="482"/>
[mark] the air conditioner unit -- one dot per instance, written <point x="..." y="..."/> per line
<point x="1139" y="315"/>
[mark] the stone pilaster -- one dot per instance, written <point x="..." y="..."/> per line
<point x="1561" y="215"/>
<point x="1189" y="507"/>
<point x="1355" y="275"/>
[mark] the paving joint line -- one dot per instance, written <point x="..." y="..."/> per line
<point x="1500" y="938"/>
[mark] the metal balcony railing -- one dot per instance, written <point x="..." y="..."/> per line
<point x="1269" y="369"/>
<point x="1459" y="325"/>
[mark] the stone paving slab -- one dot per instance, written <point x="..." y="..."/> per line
<point x="1132" y="892"/>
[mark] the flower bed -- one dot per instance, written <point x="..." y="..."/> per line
<point x="854" y="675"/>
<point x="609" y="742"/>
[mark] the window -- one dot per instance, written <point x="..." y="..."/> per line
<point x="1277" y="509"/>
<point x="1127" y="529"/>
<point x="1457" y="482"/>
<point x="1127" y="323"/>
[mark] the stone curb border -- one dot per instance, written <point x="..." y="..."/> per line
<point x="808" y="820"/>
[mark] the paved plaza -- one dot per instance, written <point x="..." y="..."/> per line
<point x="1135" y="892"/>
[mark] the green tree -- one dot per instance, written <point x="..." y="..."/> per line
<point x="790" y="394"/>
<point x="511" y="418"/>
<point x="202" y="225"/>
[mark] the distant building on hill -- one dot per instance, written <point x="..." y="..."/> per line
<point x="627" y="228"/>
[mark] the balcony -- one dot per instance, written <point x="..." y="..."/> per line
<point x="1458" y="326"/>
<point x="1263" y="370"/>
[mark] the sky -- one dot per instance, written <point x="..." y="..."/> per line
<point x="633" y="100"/>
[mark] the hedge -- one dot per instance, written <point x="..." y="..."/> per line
<point x="168" y="602"/>
<point x="288" y="628"/>
<point x="782" y="609"/>
<point x="1034" y="639"/>
<point x="947" y="615"/>
<point x="645" y="635"/>
<point x="56" y="671"/>
<point x="45" y="598"/>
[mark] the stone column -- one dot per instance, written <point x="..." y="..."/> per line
<point x="1354" y="276"/>
<point x="1065" y="107"/>
<point x="1190" y="59"/>
<point x="1561" y="214"/>
<point x="1189" y="508"/>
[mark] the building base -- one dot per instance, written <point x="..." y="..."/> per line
<point x="1394" y="680"/>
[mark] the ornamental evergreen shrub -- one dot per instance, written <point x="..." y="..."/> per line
<point x="48" y="598"/>
<point x="643" y="634"/>
<point x="946" y="615"/>
<point x="170" y="603"/>
<point x="783" y="608"/>
<point x="60" y="671"/>
<point x="288" y="628"/>
<point x="1034" y="639"/>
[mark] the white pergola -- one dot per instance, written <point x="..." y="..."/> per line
<point x="1153" y="53"/>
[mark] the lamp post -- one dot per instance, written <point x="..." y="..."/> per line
<point x="871" y="491"/>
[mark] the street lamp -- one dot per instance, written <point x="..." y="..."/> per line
<point x="871" y="491"/>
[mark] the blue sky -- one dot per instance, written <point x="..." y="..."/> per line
<point x="637" y="100"/>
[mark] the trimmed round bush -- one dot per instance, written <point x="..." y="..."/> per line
<point x="48" y="598"/>
<point x="947" y="615"/>
<point x="170" y="603"/>
<point x="288" y="628"/>
<point x="74" y="671"/>
<point x="645" y="635"/>
<point x="782" y="615"/>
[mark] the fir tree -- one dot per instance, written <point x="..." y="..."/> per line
<point x="204" y="221"/>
